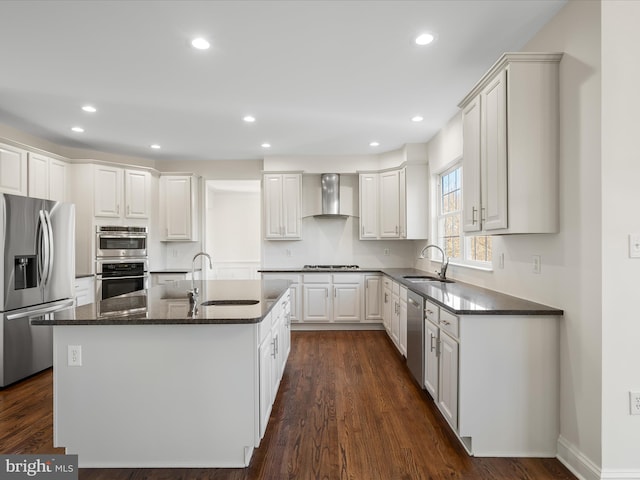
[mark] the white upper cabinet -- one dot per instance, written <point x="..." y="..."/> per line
<point x="393" y="203"/>
<point x="390" y="204"/>
<point x="282" y="206"/>
<point x="369" y="205"/>
<point x="107" y="196"/>
<point x="121" y="193"/>
<point x="510" y="147"/>
<point x="48" y="178"/>
<point x="13" y="170"/>
<point x="179" y="207"/>
<point x="137" y="193"/>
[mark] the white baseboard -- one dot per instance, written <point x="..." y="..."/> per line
<point x="572" y="458"/>
<point x="620" y="475"/>
<point x="302" y="326"/>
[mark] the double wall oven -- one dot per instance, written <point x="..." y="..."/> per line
<point x="121" y="261"/>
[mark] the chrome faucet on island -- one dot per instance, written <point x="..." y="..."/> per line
<point x="193" y="293"/>
<point x="445" y="260"/>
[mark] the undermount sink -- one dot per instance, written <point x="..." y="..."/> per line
<point x="211" y="303"/>
<point x="425" y="279"/>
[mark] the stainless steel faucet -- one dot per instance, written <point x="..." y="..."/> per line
<point x="445" y="261"/>
<point x="193" y="293"/>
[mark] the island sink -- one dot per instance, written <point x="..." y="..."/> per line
<point x="210" y="303"/>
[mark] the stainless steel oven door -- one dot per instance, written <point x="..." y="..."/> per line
<point x="119" y="276"/>
<point x="121" y="244"/>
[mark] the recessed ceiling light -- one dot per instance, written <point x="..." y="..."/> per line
<point x="89" y="108"/>
<point x="200" y="43"/>
<point x="77" y="129"/>
<point x="425" y="39"/>
<point x="266" y="145"/>
<point x="155" y="146"/>
<point x="249" y="119"/>
<point x="374" y="144"/>
<point x="417" y="118"/>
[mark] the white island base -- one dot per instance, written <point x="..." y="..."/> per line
<point x="168" y="395"/>
<point x="158" y="395"/>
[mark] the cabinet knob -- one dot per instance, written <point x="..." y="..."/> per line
<point x="445" y="322"/>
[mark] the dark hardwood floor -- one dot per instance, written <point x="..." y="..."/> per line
<point x="347" y="408"/>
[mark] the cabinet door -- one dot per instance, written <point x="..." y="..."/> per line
<point x="38" y="176"/>
<point x="178" y="207"/>
<point x="448" y="382"/>
<point x="395" y="319"/>
<point x="431" y="359"/>
<point x="137" y="193"/>
<point x="402" y="181"/>
<point x="387" y="309"/>
<point x="373" y="298"/>
<point x="390" y="204"/>
<point x="346" y="302"/>
<point x="317" y="303"/>
<point x="369" y="205"/>
<point x="107" y="191"/>
<point x="58" y="180"/>
<point x="291" y="206"/>
<point x="471" y="147"/>
<point x="273" y="222"/>
<point x="494" y="158"/>
<point x="295" y="302"/>
<point x="266" y="353"/>
<point x="13" y="170"/>
<point x="403" y="327"/>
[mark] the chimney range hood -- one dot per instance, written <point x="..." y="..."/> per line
<point x="330" y="184"/>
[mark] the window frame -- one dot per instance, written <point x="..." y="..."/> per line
<point x="465" y="240"/>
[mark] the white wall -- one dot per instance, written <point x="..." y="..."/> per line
<point x="571" y="260"/>
<point x="620" y="274"/>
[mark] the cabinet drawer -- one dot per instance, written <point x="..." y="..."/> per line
<point x="449" y="322"/>
<point x="347" y="278"/>
<point x="386" y="282"/>
<point x="432" y="312"/>
<point x="395" y="289"/>
<point x="264" y="327"/>
<point x="403" y="293"/>
<point x="316" y="278"/>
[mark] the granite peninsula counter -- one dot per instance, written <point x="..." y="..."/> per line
<point x="141" y="380"/>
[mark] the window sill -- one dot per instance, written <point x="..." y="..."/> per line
<point x="472" y="267"/>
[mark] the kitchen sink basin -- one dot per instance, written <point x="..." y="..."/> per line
<point x="211" y="303"/>
<point x="425" y="279"/>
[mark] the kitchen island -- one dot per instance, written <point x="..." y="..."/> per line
<point x="145" y="380"/>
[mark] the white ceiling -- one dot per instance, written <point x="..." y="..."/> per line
<point x="321" y="77"/>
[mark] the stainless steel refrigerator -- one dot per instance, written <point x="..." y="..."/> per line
<point x="37" y="276"/>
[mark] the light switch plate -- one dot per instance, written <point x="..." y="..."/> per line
<point x="634" y="245"/>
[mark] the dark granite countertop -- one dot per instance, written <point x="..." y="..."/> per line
<point x="458" y="297"/>
<point x="169" y="305"/>
<point x="466" y="299"/>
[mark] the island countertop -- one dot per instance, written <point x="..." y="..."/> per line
<point x="169" y="305"/>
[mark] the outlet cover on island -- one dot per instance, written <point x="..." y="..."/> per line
<point x="74" y="355"/>
<point x="634" y="403"/>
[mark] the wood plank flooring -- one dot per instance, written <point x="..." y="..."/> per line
<point x="347" y="409"/>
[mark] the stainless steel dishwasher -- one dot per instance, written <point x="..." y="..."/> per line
<point x="415" y="336"/>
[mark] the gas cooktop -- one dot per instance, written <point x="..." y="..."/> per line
<point x="331" y="267"/>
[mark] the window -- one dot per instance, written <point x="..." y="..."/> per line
<point x="471" y="250"/>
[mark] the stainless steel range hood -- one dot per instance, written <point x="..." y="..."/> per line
<point x="330" y="183"/>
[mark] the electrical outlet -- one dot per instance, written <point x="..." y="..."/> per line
<point x="288" y="252"/>
<point x="174" y="252"/>
<point x="634" y="403"/>
<point x="74" y="355"/>
<point x="386" y="251"/>
<point x="536" y="263"/>
<point x="501" y="260"/>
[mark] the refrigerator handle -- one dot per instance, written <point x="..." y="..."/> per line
<point x="51" y="249"/>
<point x="37" y="312"/>
<point x="43" y="249"/>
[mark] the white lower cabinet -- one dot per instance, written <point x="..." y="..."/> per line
<point x="316" y="294"/>
<point x="495" y="379"/>
<point x="273" y="351"/>
<point x="347" y="297"/>
<point x="387" y="304"/>
<point x="403" y="321"/>
<point x="372" y="298"/>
